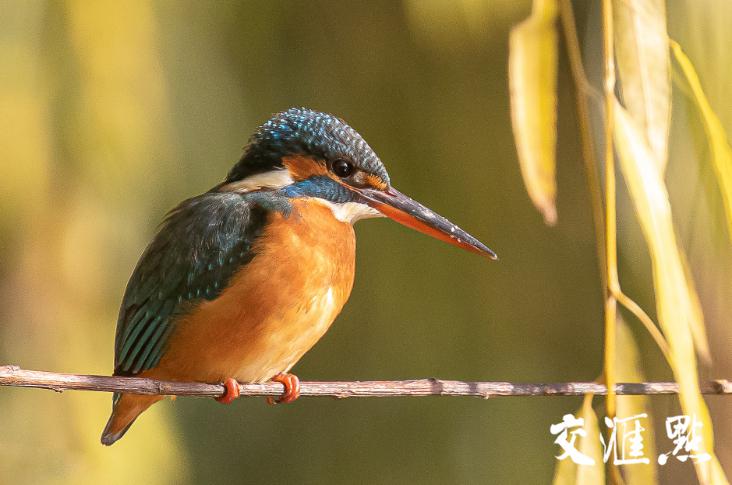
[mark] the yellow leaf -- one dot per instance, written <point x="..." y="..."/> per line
<point x="569" y="473"/>
<point x="698" y="329"/>
<point x="721" y="151"/>
<point x="641" y="51"/>
<point x="674" y="301"/>
<point x="628" y="368"/>
<point x="532" y="76"/>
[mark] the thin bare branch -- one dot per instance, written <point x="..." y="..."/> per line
<point x="16" y="377"/>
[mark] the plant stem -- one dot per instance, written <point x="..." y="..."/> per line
<point x="583" y="90"/>
<point x="611" y="250"/>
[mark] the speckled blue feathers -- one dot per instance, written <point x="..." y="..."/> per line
<point x="300" y="131"/>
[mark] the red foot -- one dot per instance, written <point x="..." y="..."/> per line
<point x="292" y="388"/>
<point x="231" y="393"/>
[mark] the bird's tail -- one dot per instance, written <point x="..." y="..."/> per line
<point x="125" y="410"/>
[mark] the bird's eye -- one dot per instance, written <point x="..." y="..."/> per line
<point x="342" y="168"/>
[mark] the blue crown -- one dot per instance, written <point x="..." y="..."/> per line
<point x="301" y="131"/>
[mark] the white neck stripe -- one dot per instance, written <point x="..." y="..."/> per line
<point x="274" y="179"/>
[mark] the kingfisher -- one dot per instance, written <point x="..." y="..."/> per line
<point x="241" y="281"/>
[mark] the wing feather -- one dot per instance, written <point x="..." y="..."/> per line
<point x="200" y="245"/>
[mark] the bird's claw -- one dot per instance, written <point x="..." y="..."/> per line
<point x="292" y="388"/>
<point x="231" y="392"/>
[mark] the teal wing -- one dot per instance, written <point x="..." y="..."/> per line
<point x="199" y="246"/>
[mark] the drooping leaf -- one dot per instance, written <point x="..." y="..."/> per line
<point x="643" y="60"/>
<point x="569" y="473"/>
<point x="721" y="151"/>
<point x="674" y="301"/>
<point x="532" y="75"/>
<point x="628" y="369"/>
<point x="698" y="328"/>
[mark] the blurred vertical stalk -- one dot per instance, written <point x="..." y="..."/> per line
<point x="612" y="284"/>
<point x="583" y="90"/>
<point x="611" y="247"/>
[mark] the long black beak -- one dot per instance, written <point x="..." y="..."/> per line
<point x="411" y="213"/>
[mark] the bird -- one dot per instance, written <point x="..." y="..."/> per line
<point x="241" y="281"/>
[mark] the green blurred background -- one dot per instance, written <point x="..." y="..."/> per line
<point x="112" y="112"/>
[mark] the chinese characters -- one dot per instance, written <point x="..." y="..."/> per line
<point x="625" y="443"/>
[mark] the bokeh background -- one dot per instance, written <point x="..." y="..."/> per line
<point x="112" y="112"/>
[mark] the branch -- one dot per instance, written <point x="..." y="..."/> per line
<point x="14" y="376"/>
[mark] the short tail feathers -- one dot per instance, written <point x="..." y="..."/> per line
<point x="124" y="412"/>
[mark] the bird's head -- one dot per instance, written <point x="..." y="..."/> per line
<point x="304" y="153"/>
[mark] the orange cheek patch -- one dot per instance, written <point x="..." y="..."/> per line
<point x="302" y="168"/>
<point x="376" y="182"/>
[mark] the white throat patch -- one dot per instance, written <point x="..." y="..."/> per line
<point x="350" y="212"/>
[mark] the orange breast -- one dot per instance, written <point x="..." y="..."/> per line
<point x="275" y="309"/>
